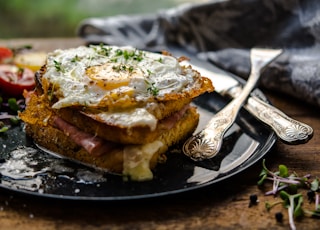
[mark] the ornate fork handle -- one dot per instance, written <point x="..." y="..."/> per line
<point x="207" y="143"/>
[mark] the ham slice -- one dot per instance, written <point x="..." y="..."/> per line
<point x="97" y="146"/>
<point x="170" y="121"/>
<point x="92" y="144"/>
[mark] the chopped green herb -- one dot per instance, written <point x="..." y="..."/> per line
<point x="131" y="69"/>
<point x="103" y="50"/>
<point x="121" y="67"/>
<point x="139" y="56"/>
<point x="119" y="52"/>
<point x="75" y="59"/>
<point x="136" y="55"/>
<point x="57" y="65"/>
<point x="114" y="60"/>
<point x="149" y="72"/>
<point x="152" y="89"/>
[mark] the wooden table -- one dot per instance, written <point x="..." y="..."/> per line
<point x="222" y="206"/>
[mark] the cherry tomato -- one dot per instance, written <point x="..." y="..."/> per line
<point x="6" y="55"/>
<point x="14" y="80"/>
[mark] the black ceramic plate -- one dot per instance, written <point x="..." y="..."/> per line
<point x="26" y="169"/>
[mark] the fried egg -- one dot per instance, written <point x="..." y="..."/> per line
<point x="100" y="76"/>
<point x="115" y="85"/>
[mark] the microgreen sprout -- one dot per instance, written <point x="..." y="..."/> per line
<point x="293" y="204"/>
<point x="281" y="179"/>
<point x="8" y="116"/>
<point x="286" y="185"/>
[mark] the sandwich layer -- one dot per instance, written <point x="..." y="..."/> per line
<point x="134" y="161"/>
<point x="116" y="108"/>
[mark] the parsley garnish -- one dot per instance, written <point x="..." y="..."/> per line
<point x="75" y="59"/>
<point x="136" y="55"/>
<point x="57" y="65"/>
<point x="121" y="67"/>
<point x="152" y="89"/>
<point x="119" y="52"/>
<point x="104" y="51"/>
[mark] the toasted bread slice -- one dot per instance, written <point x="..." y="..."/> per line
<point x="55" y="140"/>
<point x="38" y="112"/>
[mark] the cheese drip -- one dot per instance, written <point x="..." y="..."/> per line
<point x="136" y="160"/>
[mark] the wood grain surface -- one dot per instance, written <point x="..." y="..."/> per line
<point x="221" y="206"/>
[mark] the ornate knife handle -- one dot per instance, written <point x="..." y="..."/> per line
<point x="287" y="129"/>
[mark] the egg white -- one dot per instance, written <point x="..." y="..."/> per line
<point x="139" y="77"/>
<point x="100" y="75"/>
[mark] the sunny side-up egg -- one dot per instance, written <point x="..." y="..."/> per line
<point x="117" y="78"/>
<point x="100" y="75"/>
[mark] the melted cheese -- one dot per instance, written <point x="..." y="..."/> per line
<point x="127" y="119"/>
<point x="136" y="160"/>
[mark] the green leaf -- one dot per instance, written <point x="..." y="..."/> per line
<point x="285" y="197"/>
<point x="315" y="185"/>
<point x="263" y="175"/>
<point x="283" y="171"/>
<point x="298" y="211"/>
<point x="13" y="104"/>
<point x="15" y="120"/>
<point x="4" y="129"/>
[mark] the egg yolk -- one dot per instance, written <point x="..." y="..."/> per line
<point x="110" y="76"/>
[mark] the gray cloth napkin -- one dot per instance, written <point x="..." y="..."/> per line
<point x="222" y="32"/>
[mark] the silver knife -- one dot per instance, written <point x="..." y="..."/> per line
<point x="287" y="129"/>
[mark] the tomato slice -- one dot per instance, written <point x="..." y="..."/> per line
<point x="14" y="80"/>
<point x="6" y="55"/>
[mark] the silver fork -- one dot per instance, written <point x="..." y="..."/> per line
<point x="207" y="143"/>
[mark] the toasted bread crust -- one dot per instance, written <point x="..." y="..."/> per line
<point x="39" y="112"/>
<point x="55" y="140"/>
